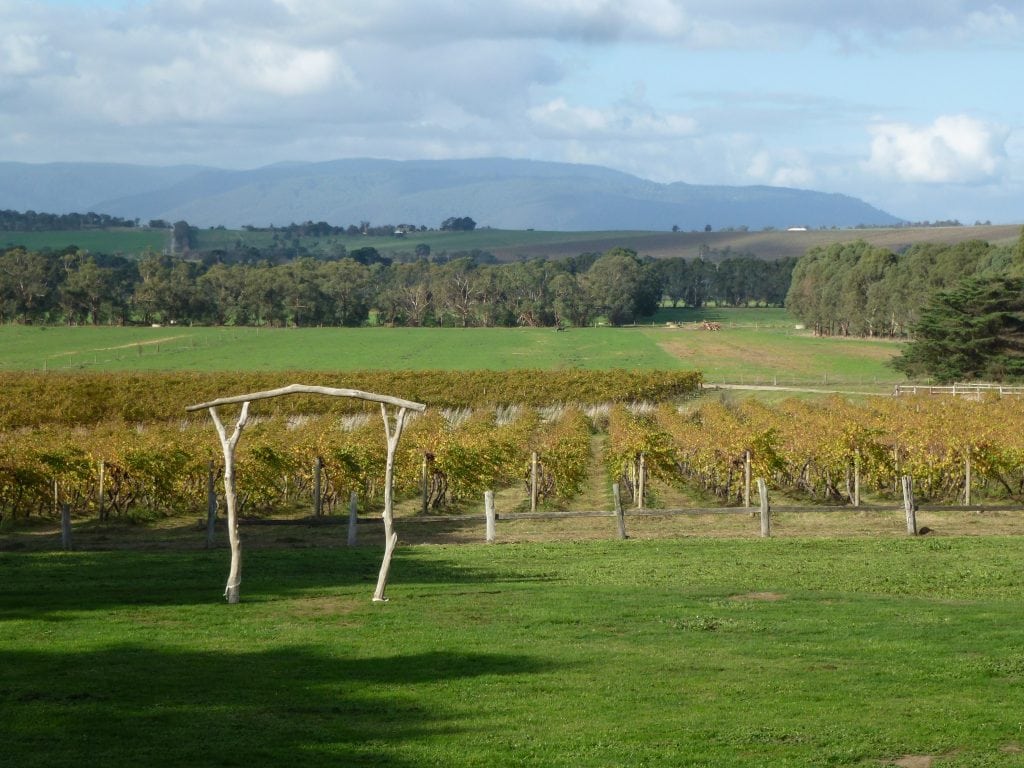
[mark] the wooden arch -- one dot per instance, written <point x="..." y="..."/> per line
<point x="392" y="432"/>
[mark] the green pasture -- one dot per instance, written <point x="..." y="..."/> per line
<point x="693" y="652"/>
<point x="754" y="346"/>
<point x="111" y="241"/>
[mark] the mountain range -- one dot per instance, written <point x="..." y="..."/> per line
<point x="501" y="193"/>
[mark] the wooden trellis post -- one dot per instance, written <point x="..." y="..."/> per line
<point x="393" y="432"/>
<point x="766" y="510"/>
<point x="746" y="479"/>
<point x="908" y="504"/>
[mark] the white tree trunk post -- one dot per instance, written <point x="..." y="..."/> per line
<point x="490" y="521"/>
<point x="620" y="516"/>
<point x="353" y="519"/>
<point x="766" y="510"/>
<point x="228" y="443"/>
<point x="390" y="537"/>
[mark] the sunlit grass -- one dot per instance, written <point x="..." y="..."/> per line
<point x="659" y="653"/>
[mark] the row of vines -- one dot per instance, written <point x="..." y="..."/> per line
<point x="808" y="450"/>
<point x="820" y="450"/>
<point x="446" y="457"/>
<point x="80" y="399"/>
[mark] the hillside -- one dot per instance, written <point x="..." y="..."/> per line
<point x="505" y="194"/>
<point x="510" y="245"/>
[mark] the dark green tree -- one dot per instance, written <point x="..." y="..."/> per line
<point x="975" y="331"/>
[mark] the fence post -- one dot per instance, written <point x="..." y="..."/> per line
<point x="620" y="517"/>
<point x="908" y="505"/>
<point x="641" y="481"/>
<point x="100" y="501"/>
<point x="211" y="506"/>
<point x="318" y="501"/>
<point x="489" y="515"/>
<point x="65" y="527"/>
<point x="766" y="512"/>
<point x="353" y="520"/>
<point x="425" y="484"/>
<point x="967" y="479"/>
<point x="746" y="479"/>
<point x="856" y="478"/>
<point x="533" y="482"/>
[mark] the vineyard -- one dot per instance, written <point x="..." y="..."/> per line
<point x="108" y="465"/>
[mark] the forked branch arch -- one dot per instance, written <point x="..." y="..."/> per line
<point x="392" y="431"/>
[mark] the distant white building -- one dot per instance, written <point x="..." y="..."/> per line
<point x="796" y="229"/>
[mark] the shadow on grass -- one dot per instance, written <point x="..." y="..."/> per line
<point x="42" y="585"/>
<point x="133" y="705"/>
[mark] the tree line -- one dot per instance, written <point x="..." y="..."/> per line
<point x="73" y="286"/>
<point x="858" y="289"/>
<point x="31" y="221"/>
<point x="961" y="306"/>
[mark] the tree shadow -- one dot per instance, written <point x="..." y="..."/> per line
<point x="42" y="586"/>
<point x="136" y="705"/>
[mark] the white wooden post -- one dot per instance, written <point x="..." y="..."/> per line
<point x="766" y="512"/>
<point x="489" y="517"/>
<point x="908" y="505"/>
<point x="390" y="537"/>
<point x="353" y="519"/>
<point x="228" y="443"/>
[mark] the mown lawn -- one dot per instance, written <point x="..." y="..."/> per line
<point x="690" y="652"/>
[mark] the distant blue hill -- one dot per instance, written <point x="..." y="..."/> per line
<point x="502" y="193"/>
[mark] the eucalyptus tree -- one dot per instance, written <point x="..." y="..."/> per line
<point x="26" y="285"/>
<point x="622" y="288"/>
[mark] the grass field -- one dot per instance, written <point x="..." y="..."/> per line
<point x="120" y="241"/>
<point x="755" y="345"/>
<point x="691" y="652"/>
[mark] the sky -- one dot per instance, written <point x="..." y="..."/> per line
<point x="912" y="105"/>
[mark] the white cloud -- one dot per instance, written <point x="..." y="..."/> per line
<point x="788" y="168"/>
<point x="953" y="149"/>
<point x="627" y="119"/>
<point x="21" y="54"/>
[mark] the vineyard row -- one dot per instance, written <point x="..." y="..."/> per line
<point x="35" y="399"/>
<point x="815" y="451"/>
